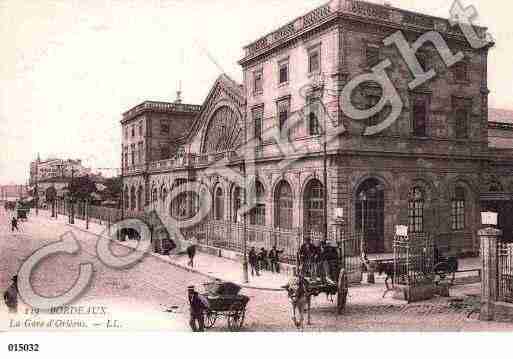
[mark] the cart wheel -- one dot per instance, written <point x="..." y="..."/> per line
<point x="236" y="317"/>
<point x="211" y="318"/>
<point x="342" y="291"/>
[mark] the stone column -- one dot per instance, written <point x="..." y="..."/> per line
<point x="489" y="286"/>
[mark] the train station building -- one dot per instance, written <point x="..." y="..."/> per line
<point x="445" y="158"/>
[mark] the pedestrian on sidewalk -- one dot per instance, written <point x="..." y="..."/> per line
<point x="197" y="310"/>
<point x="263" y="259"/>
<point x="14" y="224"/>
<point x="274" y="257"/>
<point x="11" y="296"/>
<point x="253" y="261"/>
<point x="191" y="252"/>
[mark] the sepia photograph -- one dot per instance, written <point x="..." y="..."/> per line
<point x="291" y="166"/>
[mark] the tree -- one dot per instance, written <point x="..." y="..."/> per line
<point x="81" y="188"/>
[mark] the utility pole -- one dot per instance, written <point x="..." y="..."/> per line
<point x="245" y="275"/>
<point x="72" y="201"/>
<point x="325" y="178"/>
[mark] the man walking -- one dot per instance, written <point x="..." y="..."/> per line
<point x="197" y="309"/>
<point x="253" y="261"/>
<point x="191" y="252"/>
<point x="14" y="224"/>
<point x="11" y="296"/>
<point x="274" y="257"/>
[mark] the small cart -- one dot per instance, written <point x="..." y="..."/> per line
<point x="225" y="301"/>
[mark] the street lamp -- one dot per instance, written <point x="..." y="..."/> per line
<point x="363" y="200"/>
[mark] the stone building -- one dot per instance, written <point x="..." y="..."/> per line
<point x="427" y="170"/>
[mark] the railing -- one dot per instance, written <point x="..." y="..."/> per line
<point x="505" y="271"/>
<point x="230" y="235"/>
<point x="414" y="259"/>
<point x="194" y="160"/>
<point x="161" y="107"/>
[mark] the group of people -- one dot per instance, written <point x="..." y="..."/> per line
<point x="14" y="224"/>
<point x="318" y="261"/>
<point x="264" y="260"/>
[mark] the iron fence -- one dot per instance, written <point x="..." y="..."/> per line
<point x="505" y="271"/>
<point x="414" y="258"/>
<point x="230" y="235"/>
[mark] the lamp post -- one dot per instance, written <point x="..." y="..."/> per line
<point x="36" y="189"/>
<point x="245" y="274"/>
<point x="325" y="178"/>
<point x="72" y="201"/>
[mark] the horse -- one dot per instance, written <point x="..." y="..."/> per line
<point x="386" y="268"/>
<point x="300" y="298"/>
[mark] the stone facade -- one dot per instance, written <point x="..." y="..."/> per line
<point x="429" y="174"/>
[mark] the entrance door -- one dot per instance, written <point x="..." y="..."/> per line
<point x="370" y="208"/>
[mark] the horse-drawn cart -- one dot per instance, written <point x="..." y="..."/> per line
<point x="224" y="301"/>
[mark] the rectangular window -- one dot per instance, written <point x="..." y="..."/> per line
<point x="313" y="113"/>
<point x="164" y="151"/>
<point x="372" y="55"/>
<point x="419" y="113"/>
<point x="140" y="151"/>
<point x="132" y="149"/>
<point x="164" y="128"/>
<point x="372" y="101"/>
<point x="314" y="60"/>
<point x="257" y="121"/>
<point x="460" y="71"/>
<point x="284" y="72"/>
<point x="258" y="81"/>
<point x="461" y="121"/>
<point x="133" y="131"/>
<point x="283" y="112"/>
<point x="140" y="129"/>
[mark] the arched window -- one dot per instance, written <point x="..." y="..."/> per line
<point x="313" y="203"/>
<point x="257" y="214"/>
<point x="139" y="198"/>
<point x="219" y="204"/>
<point x="284" y="201"/>
<point x="237" y="203"/>
<point x="416" y="210"/>
<point x="127" y="198"/>
<point x="132" y="198"/>
<point x="154" y="196"/>
<point x="164" y="195"/>
<point x="458" y="209"/>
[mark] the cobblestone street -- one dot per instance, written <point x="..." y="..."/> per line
<point x="155" y="285"/>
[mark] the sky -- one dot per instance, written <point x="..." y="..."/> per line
<point x="70" y="68"/>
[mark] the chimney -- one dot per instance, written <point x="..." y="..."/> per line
<point x="179" y="93"/>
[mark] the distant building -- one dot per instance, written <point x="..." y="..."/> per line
<point x="55" y="168"/>
<point x="13" y="191"/>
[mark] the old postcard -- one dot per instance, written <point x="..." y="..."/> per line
<point x="271" y="166"/>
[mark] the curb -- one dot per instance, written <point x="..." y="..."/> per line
<point x="181" y="266"/>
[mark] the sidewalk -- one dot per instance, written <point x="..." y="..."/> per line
<point x="211" y="266"/>
<point x="224" y="269"/>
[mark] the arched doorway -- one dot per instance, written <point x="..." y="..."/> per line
<point x="219" y="204"/>
<point x="283" y="204"/>
<point x="369" y="215"/>
<point x="313" y="207"/>
<point x="237" y="203"/>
